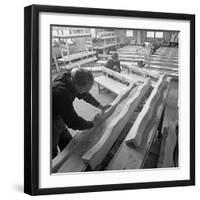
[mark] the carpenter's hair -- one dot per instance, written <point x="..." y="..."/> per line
<point x="82" y="77"/>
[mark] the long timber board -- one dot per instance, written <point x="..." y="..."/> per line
<point x="132" y="157"/>
<point x="97" y="153"/>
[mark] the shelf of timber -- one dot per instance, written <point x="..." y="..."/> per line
<point x="122" y="139"/>
<point x="77" y="59"/>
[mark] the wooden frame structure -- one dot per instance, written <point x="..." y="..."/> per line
<point x="76" y="59"/>
<point x="109" y="40"/>
<point x="129" y="155"/>
<point x="95" y="155"/>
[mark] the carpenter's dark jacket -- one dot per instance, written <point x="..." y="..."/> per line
<point x="113" y="63"/>
<point x="63" y="95"/>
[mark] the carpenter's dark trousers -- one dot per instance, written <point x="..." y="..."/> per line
<point x="61" y="136"/>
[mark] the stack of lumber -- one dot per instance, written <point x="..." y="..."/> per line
<point x="89" y="148"/>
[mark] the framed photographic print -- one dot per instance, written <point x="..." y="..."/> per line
<point x="109" y="99"/>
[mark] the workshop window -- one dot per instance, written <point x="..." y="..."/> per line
<point x="150" y="34"/>
<point x="129" y="33"/>
<point x="159" y="35"/>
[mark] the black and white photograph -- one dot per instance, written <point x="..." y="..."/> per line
<point x="114" y="99"/>
<point x="109" y="98"/>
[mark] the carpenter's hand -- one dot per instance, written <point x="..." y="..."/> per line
<point x="97" y="119"/>
<point x="105" y="107"/>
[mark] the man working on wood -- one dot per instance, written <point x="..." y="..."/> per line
<point x="146" y="51"/>
<point x="65" y="89"/>
<point x="114" y="63"/>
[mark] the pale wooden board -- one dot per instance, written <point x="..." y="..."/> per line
<point x="153" y="62"/>
<point x="171" y="53"/>
<point x="72" y="36"/>
<point x="97" y="153"/>
<point x="167" y="148"/>
<point x="87" y="139"/>
<point x="79" y="63"/>
<point x="135" y="134"/>
<point x="118" y="75"/>
<point x="106" y="46"/>
<point x="107" y="37"/>
<point x="132" y="157"/>
<point x="142" y="71"/>
<point x="163" y="68"/>
<point x="110" y="84"/>
<point x="75" y="56"/>
<point x="58" y="161"/>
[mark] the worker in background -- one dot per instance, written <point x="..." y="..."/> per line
<point x="146" y="51"/>
<point x="114" y="63"/>
<point x="65" y="89"/>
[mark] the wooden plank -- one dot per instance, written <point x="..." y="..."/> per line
<point x="107" y="37"/>
<point x="154" y="62"/>
<point x="136" y="132"/>
<point x="132" y="157"/>
<point x="142" y="71"/>
<point x="79" y="63"/>
<point x="106" y="46"/>
<point x="166" y="158"/>
<point x="162" y="68"/>
<point x="95" y="155"/>
<point x="167" y="72"/>
<point x="139" y="56"/>
<point x="61" y="158"/>
<point x="76" y="56"/>
<point x="94" y="68"/>
<point x="110" y="84"/>
<point x="118" y="75"/>
<point x="72" y="36"/>
<point x="135" y="54"/>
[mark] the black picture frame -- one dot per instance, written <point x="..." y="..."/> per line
<point x="31" y="98"/>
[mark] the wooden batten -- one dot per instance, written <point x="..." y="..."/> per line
<point x="135" y="134"/>
<point x="144" y="72"/>
<point x="116" y="74"/>
<point x="95" y="155"/>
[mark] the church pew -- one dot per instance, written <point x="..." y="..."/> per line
<point x="129" y="156"/>
<point x="136" y="132"/>
<point x="95" y="155"/>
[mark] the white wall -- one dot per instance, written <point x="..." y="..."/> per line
<point x="11" y="100"/>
